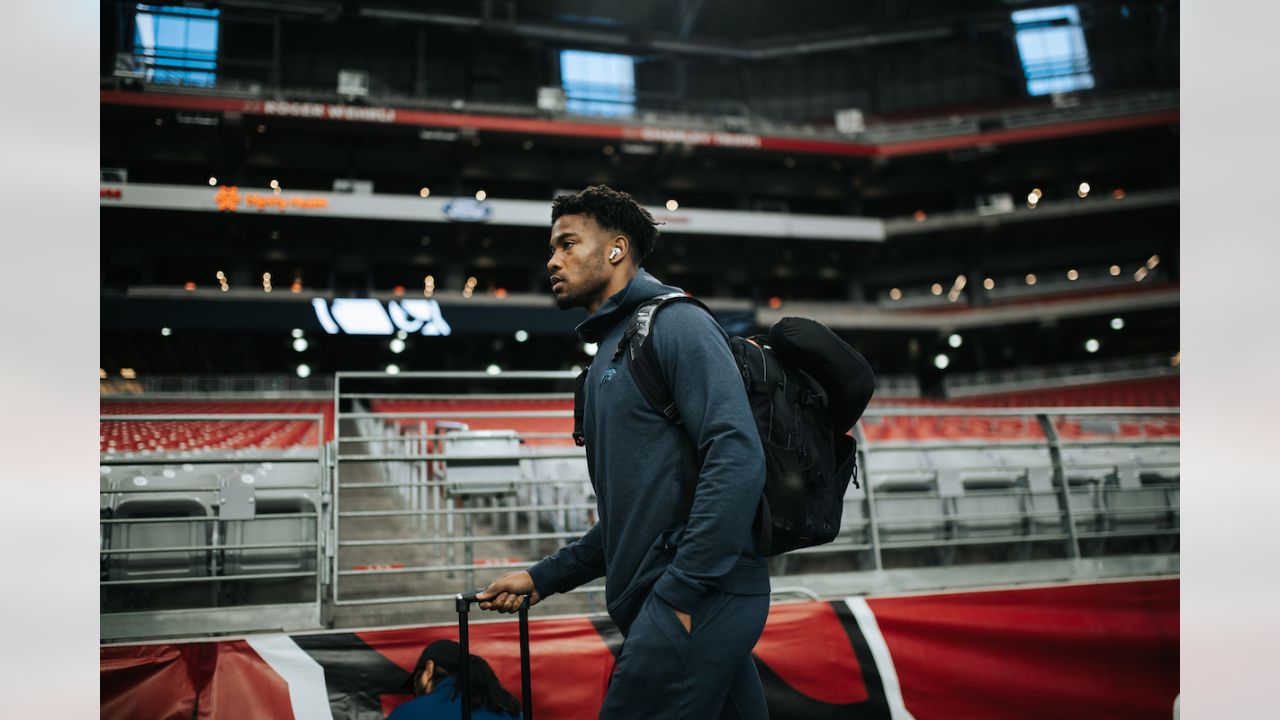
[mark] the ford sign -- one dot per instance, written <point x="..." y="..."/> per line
<point x="467" y="210"/>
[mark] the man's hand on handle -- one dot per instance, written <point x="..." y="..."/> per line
<point x="505" y="593"/>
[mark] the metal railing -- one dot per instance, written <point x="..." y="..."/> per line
<point x="256" y="385"/>
<point x="421" y="492"/>
<point x="959" y="385"/>
<point x="226" y="520"/>
<point x="1041" y="506"/>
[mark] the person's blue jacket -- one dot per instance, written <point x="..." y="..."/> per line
<point x="438" y="705"/>
<point x="634" y="456"/>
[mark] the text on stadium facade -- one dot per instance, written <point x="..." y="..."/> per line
<point x="328" y="111"/>
<point x="229" y="199"/>
<point x="700" y="137"/>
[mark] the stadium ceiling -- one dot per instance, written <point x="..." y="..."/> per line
<point x="741" y="30"/>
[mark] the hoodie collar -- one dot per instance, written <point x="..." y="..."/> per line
<point x="641" y="287"/>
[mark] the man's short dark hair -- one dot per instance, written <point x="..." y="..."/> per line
<point x="613" y="210"/>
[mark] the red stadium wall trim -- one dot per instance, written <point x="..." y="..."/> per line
<point x="1095" y="650"/>
<point x="538" y="126"/>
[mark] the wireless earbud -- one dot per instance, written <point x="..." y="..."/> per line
<point x="614" y="253"/>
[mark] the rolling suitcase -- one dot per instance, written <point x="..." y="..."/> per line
<point x="463" y="604"/>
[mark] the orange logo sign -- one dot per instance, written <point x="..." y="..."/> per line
<point x="228" y="198"/>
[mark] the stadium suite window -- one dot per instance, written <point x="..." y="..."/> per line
<point x="178" y="45"/>
<point x="598" y="83"/>
<point x="1051" y="44"/>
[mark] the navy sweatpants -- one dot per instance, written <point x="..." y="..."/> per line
<point x="665" y="672"/>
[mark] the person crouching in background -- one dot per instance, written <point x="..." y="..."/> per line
<point x="436" y="695"/>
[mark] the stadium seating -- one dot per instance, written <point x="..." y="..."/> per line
<point x="192" y="435"/>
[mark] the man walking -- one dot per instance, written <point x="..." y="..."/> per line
<point x="690" y="595"/>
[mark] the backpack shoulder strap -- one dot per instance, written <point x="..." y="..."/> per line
<point x="642" y="359"/>
<point x="579" y="386"/>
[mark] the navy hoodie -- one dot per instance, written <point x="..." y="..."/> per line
<point x="634" y="457"/>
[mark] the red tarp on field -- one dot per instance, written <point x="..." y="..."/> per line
<point x="1097" y="650"/>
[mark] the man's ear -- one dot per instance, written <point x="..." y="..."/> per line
<point x="619" y="249"/>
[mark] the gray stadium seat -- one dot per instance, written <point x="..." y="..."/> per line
<point x="263" y="529"/>
<point x="161" y="497"/>
<point x="471" y="469"/>
<point x="909" y="509"/>
<point x="994" y="504"/>
<point x="1150" y="507"/>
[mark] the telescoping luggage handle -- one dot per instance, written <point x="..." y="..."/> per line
<point x="463" y="604"/>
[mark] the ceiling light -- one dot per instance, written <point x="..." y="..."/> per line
<point x="275" y="184"/>
<point x="1153" y="261"/>
<point x="402" y="334"/>
<point x="988" y="283"/>
<point x="672" y="205"/>
<point x="960" y="282"/>
<point x="1091" y="345"/>
<point x="941" y="361"/>
<point x="424" y="192"/>
<point x="920" y="216"/>
<point x="481" y="195"/>
<point x="895" y="294"/>
<point x="521" y="336"/>
<point x="936" y="289"/>
<point x="102" y="373"/>
<point x="1072" y="274"/>
<point x="1176" y="360"/>
<point x="471" y="281"/>
<point x="1114" y="270"/>
<point x="590" y="349"/>
<point x="1083" y="190"/>
<point x="213" y="181"/>
<point x="955" y="340"/>
<point x="1140" y="274"/>
<point x="128" y="373"/>
<point x="166" y="331"/>
<point x="493" y="370"/>
<point x="1117" y="323"/>
<point x="220" y="275"/>
<point x="953" y="295"/>
<point x="397" y="345"/>
<point x="1031" y="278"/>
<point x="1036" y="192"/>
<point x="297" y="332"/>
<point x="1117" y="194"/>
<point x="393" y="369"/>
<point x="300" y="344"/>
<point x="189" y="286"/>
<point x="303" y="370"/>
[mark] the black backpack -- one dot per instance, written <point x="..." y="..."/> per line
<point x="807" y="388"/>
